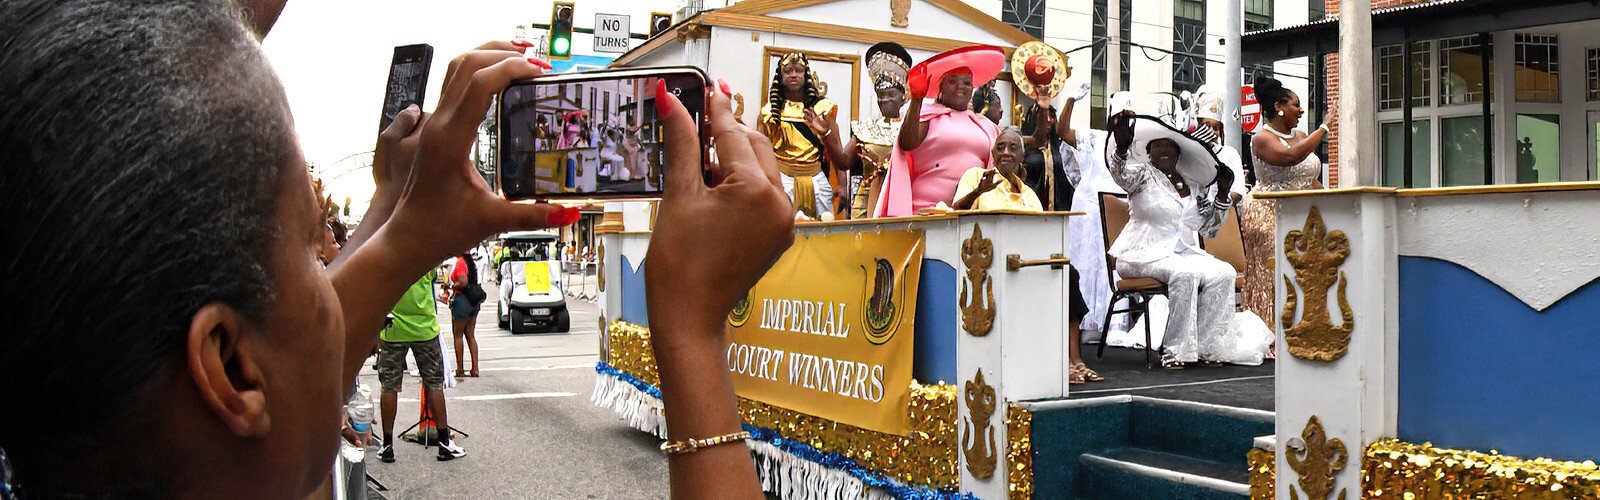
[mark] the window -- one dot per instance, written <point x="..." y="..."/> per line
<point x="1316" y="11"/>
<point x="1258" y="15"/>
<point x="1461" y="151"/>
<point x="1125" y="34"/>
<point x="1025" y="15"/>
<point x="1461" y="62"/>
<point x="1538" y="73"/>
<point x="1538" y="148"/>
<point x="1394" y="143"/>
<point x="1097" y="65"/>
<point x="1391" y="79"/>
<point x="1188" y="44"/>
<point x="1593" y="62"/>
<point x="1260" y="70"/>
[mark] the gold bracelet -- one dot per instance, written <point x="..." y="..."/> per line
<point x="693" y="445"/>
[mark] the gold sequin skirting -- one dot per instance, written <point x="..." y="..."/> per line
<point x="1257" y="229"/>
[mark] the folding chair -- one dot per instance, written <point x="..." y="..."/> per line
<point x="1228" y="246"/>
<point x="1138" y="291"/>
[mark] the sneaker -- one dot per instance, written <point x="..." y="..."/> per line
<point x="450" y="451"/>
<point x="386" y="454"/>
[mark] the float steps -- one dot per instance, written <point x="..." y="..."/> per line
<point x="1140" y="473"/>
<point x="1134" y="447"/>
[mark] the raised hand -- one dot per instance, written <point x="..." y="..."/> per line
<point x="1122" y="130"/>
<point x="815" y="122"/>
<point x="685" y="279"/>
<point x="690" y="286"/>
<point x="447" y="207"/>
<point x="1079" y="92"/>
<point x="989" y="180"/>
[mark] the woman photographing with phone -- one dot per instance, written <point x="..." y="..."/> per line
<point x="221" y="369"/>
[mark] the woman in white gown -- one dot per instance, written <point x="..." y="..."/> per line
<point x="1172" y="199"/>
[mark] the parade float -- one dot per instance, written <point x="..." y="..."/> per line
<point x="1433" y="343"/>
<point x="1421" y="355"/>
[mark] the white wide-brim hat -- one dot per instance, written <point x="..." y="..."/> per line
<point x="1196" y="162"/>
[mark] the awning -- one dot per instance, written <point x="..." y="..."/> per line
<point x="1422" y="21"/>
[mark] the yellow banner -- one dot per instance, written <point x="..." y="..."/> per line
<point x="537" y="274"/>
<point x="828" y="331"/>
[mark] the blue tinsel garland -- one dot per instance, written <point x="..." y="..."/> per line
<point x="835" y="461"/>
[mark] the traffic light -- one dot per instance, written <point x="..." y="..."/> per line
<point x="659" y="22"/>
<point x="560" y="38"/>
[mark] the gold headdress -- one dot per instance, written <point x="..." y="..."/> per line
<point x="887" y="65"/>
<point x="794" y="57"/>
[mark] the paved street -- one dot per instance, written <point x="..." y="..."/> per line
<point x="534" y="433"/>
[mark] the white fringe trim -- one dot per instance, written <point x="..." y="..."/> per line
<point x="640" y="410"/>
<point x="795" y="478"/>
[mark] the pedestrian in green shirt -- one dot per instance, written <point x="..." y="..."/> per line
<point x="415" y="329"/>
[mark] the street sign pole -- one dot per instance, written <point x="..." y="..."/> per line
<point x="1233" y="26"/>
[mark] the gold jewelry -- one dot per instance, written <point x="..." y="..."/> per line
<point x="693" y="445"/>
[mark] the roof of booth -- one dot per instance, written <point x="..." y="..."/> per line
<point x="770" y="15"/>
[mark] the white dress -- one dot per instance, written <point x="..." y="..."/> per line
<point x="1161" y="241"/>
<point x="1086" y="168"/>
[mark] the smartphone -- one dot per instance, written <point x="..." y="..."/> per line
<point x="408" y="80"/>
<point x="592" y="134"/>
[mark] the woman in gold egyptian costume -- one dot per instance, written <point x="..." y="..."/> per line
<point x="866" y="157"/>
<point x="800" y="122"/>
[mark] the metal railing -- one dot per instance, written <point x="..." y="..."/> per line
<point x="581" y="280"/>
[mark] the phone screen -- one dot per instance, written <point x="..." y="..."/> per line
<point x="589" y="135"/>
<point x="408" y="80"/>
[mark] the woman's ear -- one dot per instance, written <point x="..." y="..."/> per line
<point x="226" y="369"/>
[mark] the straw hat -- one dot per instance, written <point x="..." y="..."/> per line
<point x="1042" y="69"/>
<point x="984" y="61"/>
<point x="1196" y="162"/>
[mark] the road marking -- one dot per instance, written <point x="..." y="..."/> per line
<point x="493" y="397"/>
<point x="535" y="368"/>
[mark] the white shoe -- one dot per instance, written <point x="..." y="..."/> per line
<point x="450" y="451"/>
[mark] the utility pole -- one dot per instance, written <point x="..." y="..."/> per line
<point x="1358" y="139"/>
<point x="1233" y="83"/>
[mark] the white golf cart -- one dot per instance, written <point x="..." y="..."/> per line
<point x="529" y="282"/>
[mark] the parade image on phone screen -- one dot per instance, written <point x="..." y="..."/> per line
<point x="595" y="135"/>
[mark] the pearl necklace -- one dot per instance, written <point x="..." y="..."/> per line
<point x="1275" y="132"/>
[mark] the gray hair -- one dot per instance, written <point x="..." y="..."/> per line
<point x="1008" y="129"/>
<point x="142" y="144"/>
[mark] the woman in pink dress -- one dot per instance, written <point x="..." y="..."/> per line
<point x="948" y="138"/>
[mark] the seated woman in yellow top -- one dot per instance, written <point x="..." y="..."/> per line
<point x="999" y="188"/>
<point x="800" y="122"/>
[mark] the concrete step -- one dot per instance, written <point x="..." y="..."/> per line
<point x="1136" y="473"/>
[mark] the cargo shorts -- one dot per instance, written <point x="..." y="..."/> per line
<point x="392" y="363"/>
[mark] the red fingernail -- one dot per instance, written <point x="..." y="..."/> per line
<point x="562" y="217"/>
<point x="540" y="63"/>
<point x="661" y="99"/>
<point x="723" y="84"/>
<point x="522" y="43"/>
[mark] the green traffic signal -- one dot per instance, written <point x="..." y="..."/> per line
<point x="561" y="17"/>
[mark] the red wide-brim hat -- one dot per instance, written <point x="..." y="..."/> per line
<point x="984" y="61"/>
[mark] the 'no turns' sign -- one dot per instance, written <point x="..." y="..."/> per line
<point x="610" y="33"/>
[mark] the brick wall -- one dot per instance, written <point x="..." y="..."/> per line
<point x="1332" y="7"/>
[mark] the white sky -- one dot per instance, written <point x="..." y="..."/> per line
<point x="333" y="58"/>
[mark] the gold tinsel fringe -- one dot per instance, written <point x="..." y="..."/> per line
<point x="1019" y="452"/>
<point x="926" y="456"/>
<point x="1396" y="469"/>
<point x="1263" y="474"/>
